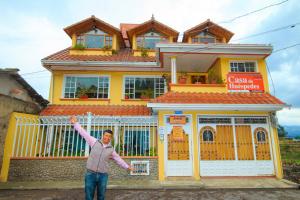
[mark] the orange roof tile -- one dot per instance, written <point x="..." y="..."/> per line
<point x="124" y="55"/>
<point x="124" y="27"/>
<point x="113" y="110"/>
<point x="216" y="98"/>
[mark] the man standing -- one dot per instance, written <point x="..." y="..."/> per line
<point x="97" y="164"/>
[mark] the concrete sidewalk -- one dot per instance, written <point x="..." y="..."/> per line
<point x="205" y="183"/>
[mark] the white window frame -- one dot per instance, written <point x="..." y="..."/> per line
<point x="142" y="76"/>
<point x="244" y="61"/>
<point x="85" y="75"/>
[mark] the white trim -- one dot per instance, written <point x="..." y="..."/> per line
<point x="86" y="75"/>
<point x="244" y="61"/>
<point x="258" y="49"/>
<point x="273" y="149"/>
<point x="236" y="107"/>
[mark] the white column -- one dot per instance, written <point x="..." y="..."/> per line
<point x="173" y="70"/>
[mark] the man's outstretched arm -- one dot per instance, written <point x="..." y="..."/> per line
<point x="120" y="161"/>
<point x="89" y="139"/>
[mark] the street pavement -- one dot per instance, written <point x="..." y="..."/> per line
<point x="144" y="194"/>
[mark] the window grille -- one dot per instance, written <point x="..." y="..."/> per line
<point x="243" y="120"/>
<point x="214" y="120"/>
<point x="140" y="167"/>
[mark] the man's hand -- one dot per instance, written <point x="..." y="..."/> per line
<point x="73" y="119"/>
<point x="130" y="168"/>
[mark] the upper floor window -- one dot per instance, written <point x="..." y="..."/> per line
<point x="95" y="39"/>
<point x="243" y="66"/>
<point x="86" y="87"/>
<point x="143" y="88"/>
<point x="149" y="40"/>
<point x="203" y="37"/>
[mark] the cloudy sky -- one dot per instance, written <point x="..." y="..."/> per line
<point x="31" y="30"/>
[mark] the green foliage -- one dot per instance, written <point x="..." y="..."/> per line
<point x="281" y="131"/>
<point x="144" y="51"/>
<point x="106" y="47"/>
<point x="79" y="47"/>
<point x="114" y="52"/>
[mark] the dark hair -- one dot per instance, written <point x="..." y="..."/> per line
<point x="108" y="131"/>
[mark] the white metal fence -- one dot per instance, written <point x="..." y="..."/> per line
<point x="54" y="136"/>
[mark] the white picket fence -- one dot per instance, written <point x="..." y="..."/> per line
<point x="54" y="136"/>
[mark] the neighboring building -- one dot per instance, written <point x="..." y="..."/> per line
<point x="16" y="95"/>
<point x="200" y="107"/>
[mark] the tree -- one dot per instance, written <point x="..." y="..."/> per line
<point x="281" y="131"/>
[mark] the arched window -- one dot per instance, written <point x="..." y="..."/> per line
<point x="208" y="136"/>
<point x="261" y="136"/>
<point x="203" y="37"/>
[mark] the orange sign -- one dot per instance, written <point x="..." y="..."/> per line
<point x="245" y="82"/>
<point x="177" y="119"/>
<point x="177" y="132"/>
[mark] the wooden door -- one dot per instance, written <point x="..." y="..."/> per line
<point x="178" y="144"/>
<point x="217" y="145"/>
<point x="262" y="146"/>
<point x="244" y="142"/>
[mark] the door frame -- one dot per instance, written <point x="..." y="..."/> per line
<point x="166" y="124"/>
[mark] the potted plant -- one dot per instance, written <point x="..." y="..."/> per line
<point x="106" y="47"/>
<point x="126" y="96"/>
<point x="212" y="76"/>
<point x="147" y="94"/>
<point x="79" y="46"/>
<point x="182" y="78"/>
<point x="83" y="93"/>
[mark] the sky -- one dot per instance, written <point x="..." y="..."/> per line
<point x="31" y="30"/>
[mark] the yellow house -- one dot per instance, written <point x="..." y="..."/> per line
<point x="195" y="108"/>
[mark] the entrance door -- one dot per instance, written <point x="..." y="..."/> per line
<point x="178" y="148"/>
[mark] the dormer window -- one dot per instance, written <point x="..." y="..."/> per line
<point x="203" y="37"/>
<point x="149" y="40"/>
<point x="95" y="39"/>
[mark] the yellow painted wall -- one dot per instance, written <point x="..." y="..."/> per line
<point x="198" y="88"/>
<point x="149" y="53"/>
<point x="261" y="68"/>
<point x="116" y="88"/>
<point x="9" y="141"/>
<point x="279" y="170"/>
<point x="99" y="52"/>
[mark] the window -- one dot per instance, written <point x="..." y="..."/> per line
<point x="243" y="66"/>
<point x="149" y="40"/>
<point x="91" y="87"/>
<point x="203" y="37"/>
<point x="139" y="88"/>
<point x="136" y="142"/>
<point x="95" y="39"/>
<point x="208" y="136"/>
<point x="261" y="136"/>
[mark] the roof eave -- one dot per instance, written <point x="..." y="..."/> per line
<point x="217" y="107"/>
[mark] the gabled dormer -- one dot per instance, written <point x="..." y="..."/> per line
<point x="93" y="36"/>
<point x="207" y="32"/>
<point x="145" y="36"/>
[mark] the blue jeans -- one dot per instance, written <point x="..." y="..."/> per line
<point x="93" y="180"/>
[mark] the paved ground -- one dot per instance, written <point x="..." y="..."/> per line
<point x="207" y="194"/>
